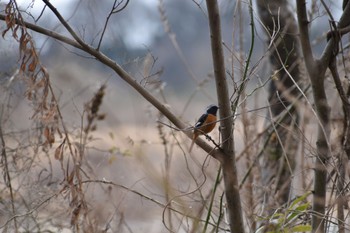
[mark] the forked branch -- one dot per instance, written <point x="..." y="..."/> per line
<point x="316" y="69"/>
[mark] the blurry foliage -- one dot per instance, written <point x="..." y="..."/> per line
<point x="293" y="218"/>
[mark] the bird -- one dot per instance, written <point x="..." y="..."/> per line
<point x="205" y="124"/>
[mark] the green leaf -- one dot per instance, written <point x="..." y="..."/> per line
<point x="299" y="199"/>
<point x="301" y="228"/>
<point x="298" y="211"/>
<point x="303" y="207"/>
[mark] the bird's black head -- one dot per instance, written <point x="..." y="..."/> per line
<point x="212" y="109"/>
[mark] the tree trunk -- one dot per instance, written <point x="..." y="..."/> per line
<point x="228" y="161"/>
<point x="279" y="156"/>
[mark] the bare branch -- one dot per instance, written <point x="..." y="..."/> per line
<point x="340" y="29"/>
<point x="79" y="43"/>
<point x="7" y="177"/>
<point x="114" y="10"/>
<point x="316" y="70"/>
<point x="304" y="34"/>
<point x="228" y="164"/>
<point x="30" y="211"/>
<point x="48" y="33"/>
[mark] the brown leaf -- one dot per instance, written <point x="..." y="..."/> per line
<point x="49" y="135"/>
<point x="59" y="151"/>
<point x="23" y="43"/>
<point x="4" y="32"/>
<point x="47" y="132"/>
<point x="23" y="67"/>
<point x="101" y="117"/>
<point x="52" y="136"/>
<point x="70" y="178"/>
<point x="75" y="215"/>
<point x="32" y="65"/>
<point x="14" y="33"/>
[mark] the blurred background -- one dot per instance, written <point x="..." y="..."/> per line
<point x="165" y="45"/>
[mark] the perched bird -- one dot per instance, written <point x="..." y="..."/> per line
<point x="205" y="124"/>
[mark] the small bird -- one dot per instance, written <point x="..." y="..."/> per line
<point x="205" y="124"/>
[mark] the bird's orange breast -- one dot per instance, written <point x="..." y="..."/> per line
<point x="208" y="125"/>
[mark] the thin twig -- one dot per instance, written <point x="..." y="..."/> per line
<point x="172" y="37"/>
<point x="47" y="32"/>
<point x="7" y="177"/>
<point x="114" y="10"/>
<point x="146" y="197"/>
<point x="30" y="211"/>
<point x="247" y="63"/>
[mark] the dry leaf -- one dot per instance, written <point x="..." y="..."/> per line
<point x="50" y="136"/>
<point x="70" y="178"/>
<point x="59" y="151"/>
<point x="75" y="215"/>
<point x="47" y="133"/>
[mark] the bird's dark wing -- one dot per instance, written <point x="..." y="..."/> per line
<point x="201" y="121"/>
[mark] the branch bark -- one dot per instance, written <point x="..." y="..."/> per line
<point x="226" y="125"/>
<point x="284" y="51"/>
<point x="316" y="69"/>
<point x="317" y="75"/>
